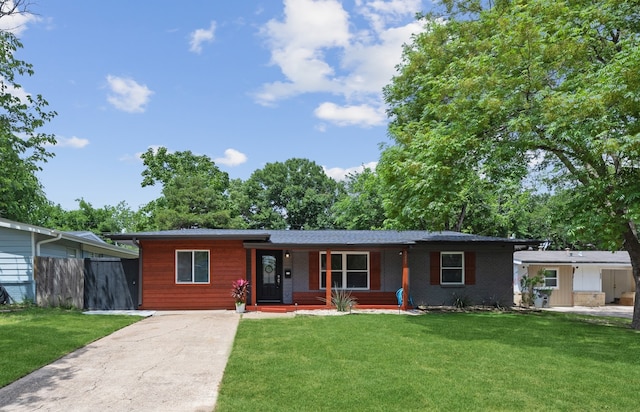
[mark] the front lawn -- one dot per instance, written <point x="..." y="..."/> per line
<point x="33" y="337"/>
<point x="449" y="362"/>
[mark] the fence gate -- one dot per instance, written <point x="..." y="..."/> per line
<point x="111" y="284"/>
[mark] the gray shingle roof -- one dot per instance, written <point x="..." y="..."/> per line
<point x="319" y="237"/>
<point x="561" y="256"/>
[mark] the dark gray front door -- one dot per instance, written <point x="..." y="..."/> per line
<point x="269" y="276"/>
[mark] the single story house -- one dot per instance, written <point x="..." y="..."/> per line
<point x="21" y="243"/>
<point x="579" y="278"/>
<point x="195" y="268"/>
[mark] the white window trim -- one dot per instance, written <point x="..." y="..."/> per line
<point x="557" y="286"/>
<point x="343" y="272"/>
<point x="193" y="261"/>
<point x="442" y="282"/>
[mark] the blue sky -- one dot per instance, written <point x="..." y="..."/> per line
<point x="243" y="82"/>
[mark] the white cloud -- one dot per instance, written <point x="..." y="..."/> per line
<point x="319" y="49"/>
<point x="18" y="92"/>
<point x="339" y="174"/>
<point x="200" y="36"/>
<point x="137" y="157"/>
<point x="73" y="142"/>
<point x="127" y="95"/>
<point x="15" y="23"/>
<point x="362" y="115"/>
<point x="232" y="157"/>
<point x="298" y="45"/>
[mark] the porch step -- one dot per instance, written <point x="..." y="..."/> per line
<point x="275" y="309"/>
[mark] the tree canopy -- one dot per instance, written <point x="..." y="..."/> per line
<point x="360" y="207"/>
<point x="22" y="147"/>
<point x="485" y="93"/>
<point x="194" y="189"/>
<point x="295" y="194"/>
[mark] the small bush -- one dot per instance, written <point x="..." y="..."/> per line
<point x="342" y="299"/>
<point x="461" y="301"/>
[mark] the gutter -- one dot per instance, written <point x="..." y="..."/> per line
<point x="46" y="241"/>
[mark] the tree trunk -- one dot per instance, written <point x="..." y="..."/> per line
<point x="632" y="245"/>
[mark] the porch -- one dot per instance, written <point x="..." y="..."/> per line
<point x="296" y="307"/>
<point x="282" y="296"/>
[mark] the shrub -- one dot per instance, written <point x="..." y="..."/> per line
<point x="342" y="299"/>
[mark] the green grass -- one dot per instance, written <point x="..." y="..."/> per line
<point x="446" y="362"/>
<point x="33" y="337"/>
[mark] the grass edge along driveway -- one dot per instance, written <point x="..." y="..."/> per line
<point x="34" y="337"/>
<point x="451" y="361"/>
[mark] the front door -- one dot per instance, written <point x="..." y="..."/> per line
<point x="269" y="276"/>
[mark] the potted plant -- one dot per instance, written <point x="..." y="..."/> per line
<point x="239" y="293"/>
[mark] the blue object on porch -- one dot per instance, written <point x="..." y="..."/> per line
<point x="399" y="297"/>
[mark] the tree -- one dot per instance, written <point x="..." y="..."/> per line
<point x="22" y="148"/>
<point x="487" y="92"/>
<point x="195" y="191"/>
<point x="107" y="219"/>
<point x="295" y="194"/>
<point x="360" y="208"/>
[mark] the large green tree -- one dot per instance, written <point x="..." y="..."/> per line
<point x="360" y="208"/>
<point x="107" y="219"/>
<point x="295" y="194"/>
<point x="194" y="191"/>
<point x="485" y="90"/>
<point x="23" y="148"/>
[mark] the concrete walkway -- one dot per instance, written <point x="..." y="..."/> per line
<point x="608" y="310"/>
<point x="172" y="361"/>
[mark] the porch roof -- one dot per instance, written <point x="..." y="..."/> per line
<point x="594" y="257"/>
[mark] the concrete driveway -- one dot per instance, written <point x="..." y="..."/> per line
<point x="608" y="310"/>
<point x="171" y="361"/>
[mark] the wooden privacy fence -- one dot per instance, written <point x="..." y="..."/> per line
<point x="59" y="282"/>
<point x="92" y="283"/>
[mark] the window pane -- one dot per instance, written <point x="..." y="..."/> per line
<point x="551" y="278"/>
<point x="336" y="280"/>
<point x="201" y="267"/>
<point x="356" y="280"/>
<point x="452" y="260"/>
<point x="336" y="262"/>
<point x="357" y="262"/>
<point x="184" y="266"/>
<point x="451" y="275"/>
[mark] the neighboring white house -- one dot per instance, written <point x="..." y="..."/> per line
<point x="578" y="278"/>
<point x="20" y="243"/>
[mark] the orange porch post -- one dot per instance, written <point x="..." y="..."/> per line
<point x="328" y="280"/>
<point x="405" y="278"/>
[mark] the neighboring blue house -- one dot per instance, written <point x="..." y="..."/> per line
<point x="20" y="243"/>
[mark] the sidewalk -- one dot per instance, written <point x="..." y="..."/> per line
<point x="172" y="361"/>
<point x="609" y="310"/>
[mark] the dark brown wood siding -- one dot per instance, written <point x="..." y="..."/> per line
<point x="362" y="298"/>
<point x="314" y="270"/>
<point x="374" y="272"/>
<point x="469" y="268"/>
<point x="227" y="262"/>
